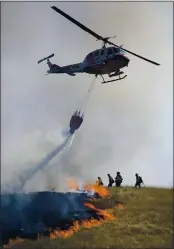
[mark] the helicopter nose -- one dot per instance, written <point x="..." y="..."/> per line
<point x="127" y="59"/>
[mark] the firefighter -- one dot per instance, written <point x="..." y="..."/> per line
<point x="99" y="181"/>
<point x="139" y="180"/>
<point x="111" y="180"/>
<point x="118" y="179"/>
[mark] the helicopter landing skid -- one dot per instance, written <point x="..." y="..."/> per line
<point x="120" y="78"/>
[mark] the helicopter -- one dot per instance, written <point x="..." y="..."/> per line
<point x="107" y="60"/>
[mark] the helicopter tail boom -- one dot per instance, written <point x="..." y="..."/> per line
<point x="53" y="68"/>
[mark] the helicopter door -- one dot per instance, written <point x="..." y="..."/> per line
<point x="102" y="53"/>
<point x="96" y="56"/>
<point x="90" y="59"/>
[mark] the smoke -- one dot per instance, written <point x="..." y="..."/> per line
<point x="24" y="177"/>
<point x="128" y="124"/>
<point x="44" y="163"/>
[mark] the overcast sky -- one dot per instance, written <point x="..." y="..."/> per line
<point x="128" y="124"/>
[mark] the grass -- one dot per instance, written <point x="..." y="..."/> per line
<point x="146" y="221"/>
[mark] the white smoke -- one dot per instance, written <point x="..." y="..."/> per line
<point x="23" y="177"/>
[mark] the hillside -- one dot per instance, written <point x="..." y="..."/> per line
<point x="145" y="221"/>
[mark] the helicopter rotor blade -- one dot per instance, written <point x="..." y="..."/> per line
<point x="105" y="40"/>
<point x="139" y="56"/>
<point x="80" y="25"/>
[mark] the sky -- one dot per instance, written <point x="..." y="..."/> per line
<point x="128" y="125"/>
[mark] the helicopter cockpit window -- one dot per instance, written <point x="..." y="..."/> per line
<point x="109" y="51"/>
<point x="116" y="50"/>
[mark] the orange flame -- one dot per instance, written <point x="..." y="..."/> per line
<point x="99" y="189"/>
<point x="86" y="223"/>
<point x="103" y="192"/>
<point x="67" y="233"/>
<point x="106" y="215"/>
<point x="72" y="184"/>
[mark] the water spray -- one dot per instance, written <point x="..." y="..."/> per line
<point x="24" y="179"/>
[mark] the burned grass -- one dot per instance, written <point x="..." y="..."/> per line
<point x="145" y="221"/>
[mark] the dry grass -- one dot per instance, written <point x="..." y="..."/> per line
<point x="146" y="221"/>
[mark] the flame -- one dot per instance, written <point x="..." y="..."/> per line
<point x="72" y="184"/>
<point x="86" y="223"/>
<point x="99" y="189"/>
<point x="13" y="242"/>
<point x="67" y="233"/>
<point x="106" y="215"/>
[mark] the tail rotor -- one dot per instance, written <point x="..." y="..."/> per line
<point x="45" y="58"/>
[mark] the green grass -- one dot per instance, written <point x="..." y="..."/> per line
<point x="146" y="221"/>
